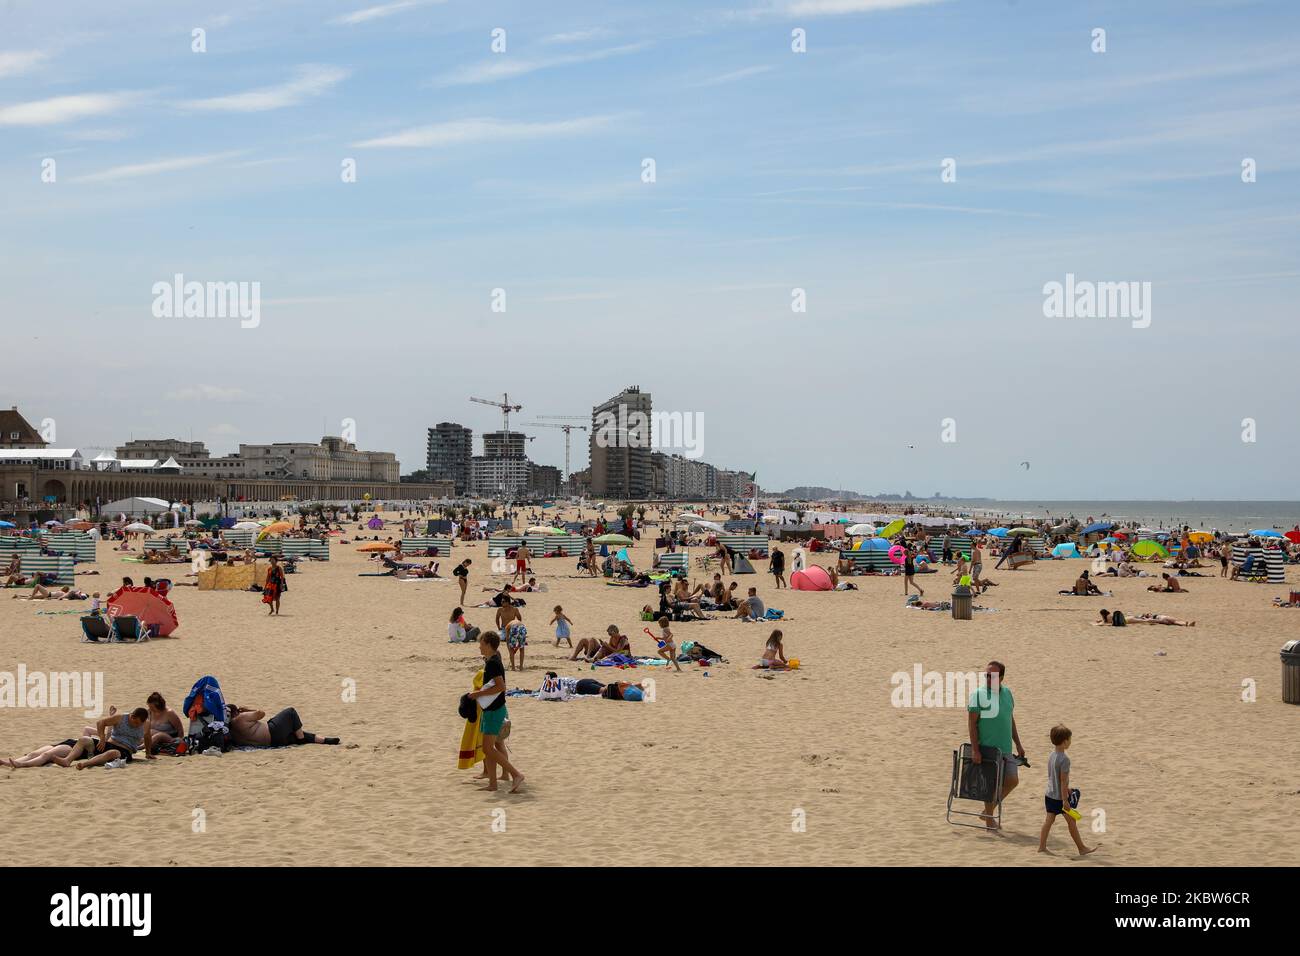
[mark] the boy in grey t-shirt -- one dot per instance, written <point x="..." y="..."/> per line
<point x="1058" y="791"/>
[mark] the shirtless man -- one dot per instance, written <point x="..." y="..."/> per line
<point x="248" y="729"/>
<point x="521" y="563"/>
<point x="507" y="616"/>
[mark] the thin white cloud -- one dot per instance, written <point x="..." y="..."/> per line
<point x="380" y="12"/>
<point x="225" y="428"/>
<point x="17" y="62"/>
<point x="821" y="8"/>
<point x="136" y="170"/>
<point x="577" y="36"/>
<point x="481" y="130"/>
<point x="734" y="75"/>
<point x="312" y="80"/>
<point x="209" y="393"/>
<point x="505" y="67"/>
<point x="98" y="135"/>
<point x="65" y="109"/>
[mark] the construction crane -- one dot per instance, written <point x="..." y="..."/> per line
<point x="568" y="431"/>
<point x="504" y="405"/>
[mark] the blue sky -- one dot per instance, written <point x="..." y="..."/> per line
<point x="775" y="170"/>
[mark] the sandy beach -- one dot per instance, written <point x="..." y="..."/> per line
<point x="715" y="771"/>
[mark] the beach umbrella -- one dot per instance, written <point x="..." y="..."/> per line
<point x="861" y="530"/>
<point x="999" y="532"/>
<point x="613" y="539"/>
<point x="1097" y="526"/>
<point x="54" y="523"/>
<point x="543" y="529"/>
<point x="891" y="529"/>
<point x="1016" y="532"/>
<point x="1265" y="533"/>
<point x="1144" y="549"/>
<point x="247" y="526"/>
<point x="376" y="546"/>
<point x="1199" y="537"/>
<point x="7" y="524"/>
<point x="149" y="606"/>
<point x="1292" y="536"/>
<point x="873" y="544"/>
<point x="711" y="525"/>
<point x="192" y="522"/>
<point x="276" y="527"/>
<point x="139" y="526"/>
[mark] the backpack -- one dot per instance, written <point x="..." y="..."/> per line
<point x="551" y="689"/>
<point x="1117" y="619"/>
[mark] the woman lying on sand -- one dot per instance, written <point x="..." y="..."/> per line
<point x="42" y="593"/>
<point x="1118" y="619"/>
<point x="53" y="753"/>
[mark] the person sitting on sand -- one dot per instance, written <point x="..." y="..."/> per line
<point x="773" y="654"/>
<point x="52" y="753"/>
<point x="594" y="650"/>
<point x="1083" y="586"/>
<point x="165" y="725"/>
<point x="248" y="729"/>
<point x="1171" y="585"/>
<point x="751" y="608"/>
<point x="119" y="738"/>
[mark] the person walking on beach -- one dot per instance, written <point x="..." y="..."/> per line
<point x="991" y="722"/>
<point x="776" y="564"/>
<point x="976" y="566"/>
<point x="909" y="570"/>
<point x="521" y="564"/>
<point x="563" y="626"/>
<point x="274" y="586"/>
<point x="1059" y="799"/>
<point x="491" y="698"/>
<point x="461" y="574"/>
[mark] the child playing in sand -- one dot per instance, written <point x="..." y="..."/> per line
<point x="562" y="626"/>
<point x="1058" y="792"/>
<point x="667" y="646"/>
<point x="773" y="653"/>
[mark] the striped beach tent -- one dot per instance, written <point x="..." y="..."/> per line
<point x="1268" y="563"/>
<point x="870" y="560"/>
<point x="318" y="548"/>
<point x="674" y="561"/>
<point x="20" y="544"/>
<point x="76" y="543"/>
<point x="744" y="543"/>
<point x="60" y="566"/>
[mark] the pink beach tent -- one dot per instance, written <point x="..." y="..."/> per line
<point x="811" y="579"/>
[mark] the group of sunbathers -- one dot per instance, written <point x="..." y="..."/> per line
<point x="157" y="729"/>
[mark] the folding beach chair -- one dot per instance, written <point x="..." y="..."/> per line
<point x="96" y="629"/>
<point x="129" y="630"/>
<point x="971" y="781"/>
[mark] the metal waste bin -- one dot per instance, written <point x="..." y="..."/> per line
<point x="961" y="603"/>
<point x="1291" y="672"/>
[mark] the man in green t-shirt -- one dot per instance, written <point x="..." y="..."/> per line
<point x="991" y="721"/>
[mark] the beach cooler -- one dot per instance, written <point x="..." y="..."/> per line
<point x="961" y="603"/>
<point x="1291" y="672"/>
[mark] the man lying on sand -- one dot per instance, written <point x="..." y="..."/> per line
<point x="248" y="729"/>
<point x="1171" y="585"/>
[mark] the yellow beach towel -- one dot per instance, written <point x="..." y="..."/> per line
<point x="471" y="741"/>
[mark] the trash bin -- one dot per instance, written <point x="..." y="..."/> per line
<point x="1291" y="672"/>
<point x="961" y="603"/>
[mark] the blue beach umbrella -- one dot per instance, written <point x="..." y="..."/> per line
<point x="1097" y="526"/>
<point x="1265" y="533"/>
<point x="999" y="532"/>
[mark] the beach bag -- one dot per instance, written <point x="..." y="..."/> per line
<point x="1118" y="619"/>
<point x="647" y="615"/>
<point x="772" y="614"/>
<point x="467" y="709"/>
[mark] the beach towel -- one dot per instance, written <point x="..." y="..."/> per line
<point x="471" y="739"/>
<point x="617" y="660"/>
